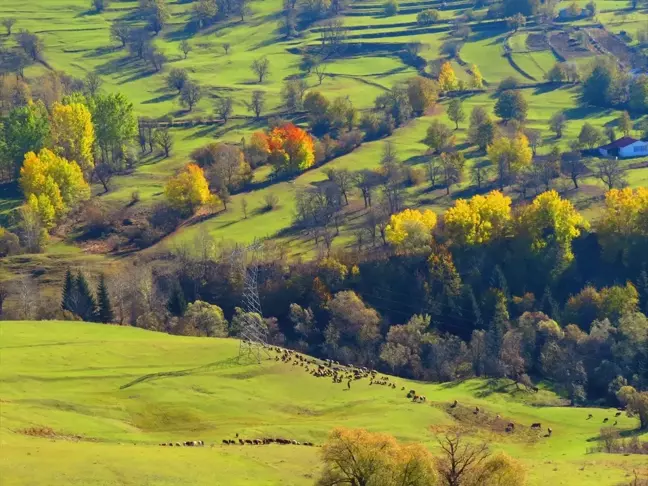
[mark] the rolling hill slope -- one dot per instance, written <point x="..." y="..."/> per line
<point x="88" y="404"/>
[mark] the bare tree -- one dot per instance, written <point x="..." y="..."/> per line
<point x="572" y="166"/>
<point x="185" y="48"/>
<point x="367" y="180"/>
<point x="103" y="173"/>
<point x="343" y="179"/>
<point x="333" y="38"/>
<point x="164" y="140"/>
<point x="320" y="72"/>
<point x="244" y="207"/>
<point x="190" y="94"/>
<point x="460" y="459"/>
<point x="226" y="47"/>
<point x="120" y="32"/>
<point x="257" y="103"/>
<point x="92" y="83"/>
<point x="610" y="172"/>
<point x="433" y="170"/>
<point x="8" y="24"/>
<point x="261" y="67"/>
<point x="157" y="59"/>
<point x="224" y="107"/>
<point x="242" y="8"/>
<point x="27" y="297"/>
<point x="480" y="174"/>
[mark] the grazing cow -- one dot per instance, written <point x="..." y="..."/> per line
<point x="537" y="425"/>
<point x="476" y="410"/>
<point x="615" y="422"/>
<point x="241" y="441"/>
<point x="422" y="398"/>
<point x="226" y="441"/>
<point x="605" y="420"/>
<point x="590" y="416"/>
<point x="497" y="417"/>
<point x="511" y="425"/>
<point x="411" y="393"/>
<point x="617" y="414"/>
<point x="454" y="404"/>
<point x="549" y="431"/>
<point x="178" y="444"/>
<point x="248" y="441"/>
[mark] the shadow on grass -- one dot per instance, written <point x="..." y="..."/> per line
<point x="226" y="363"/>
<point x="160" y="99"/>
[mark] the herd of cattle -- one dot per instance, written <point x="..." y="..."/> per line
<point x="339" y="373"/>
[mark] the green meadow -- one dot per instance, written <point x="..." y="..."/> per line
<point x="89" y="404"/>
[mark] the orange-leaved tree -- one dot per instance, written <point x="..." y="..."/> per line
<point x="290" y="149"/>
<point x="358" y="457"/>
<point x="189" y="190"/>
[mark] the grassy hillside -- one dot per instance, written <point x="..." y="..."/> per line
<point x="111" y="394"/>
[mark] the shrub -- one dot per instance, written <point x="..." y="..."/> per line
<point x="415" y="176"/>
<point x="428" y="17"/>
<point x="391" y="8"/>
<point x="508" y="83"/>
<point x="271" y="202"/>
<point x="9" y="243"/>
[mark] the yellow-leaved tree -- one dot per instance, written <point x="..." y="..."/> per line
<point x="73" y="133"/>
<point x="625" y="217"/>
<point x="479" y="219"/>
<point x="447" y="78"/>
<point x="55" y="183"/>
<point x="510" y="156"/>
<point x="477" y="80"/>
<point x="356" y="456"/>
<point x="189" y="190"/>
<point x="411" y="230"/>
<point x="551" y="220"/>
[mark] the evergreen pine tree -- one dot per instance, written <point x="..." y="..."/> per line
<point x="498" y="281"/>
<point x="104" y="311"/>
<point x="177" y="304"/>
<point x="472" y="311"/>
<point x="69" y="290"/>
<point x="86" y="306"/>
<point x="549" y="305"/>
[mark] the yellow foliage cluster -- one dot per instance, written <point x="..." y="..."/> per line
<point x="625" y="214"/>
<point x="51" y="185"/>
<point x="479" y="219"/>
<point x="73" y="134"/>
<point x="549" y="217"/>
<point x="188" y="190"/>
<point x="477" y="80"/>
<point x="411" y="229"/>
<point x="447" y="78"/>
<point x="356" y="456"/>
<point x="510" y="155"/>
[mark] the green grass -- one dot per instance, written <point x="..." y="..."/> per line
<point x="111" y="394"/>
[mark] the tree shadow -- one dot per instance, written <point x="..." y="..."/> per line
<point x="160" y="99"/>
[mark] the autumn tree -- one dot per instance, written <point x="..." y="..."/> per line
<point x="447" y="78"/>
<point x="72" y="133"/>
<point x="290" y="149"/>
<point x="188" y="190"/>
<point x="411" y="230"/>
<point x="480" y="219"/>
<point x="624" y="221"/>
<point x="52" y="185"/>
<point x="422" y="93"/>
<point x="476" y="79"/>
<point x="353" y="325"/>
<point x="358" y="457"/>
<point x="550" y="221"/>
<point x="510" y="156"/>
<point x="456" y="112"/>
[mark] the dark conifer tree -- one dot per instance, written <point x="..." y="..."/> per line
<point x="642" y="288"/>
<point x="549" y="305"/>
<point x="69" y="290"/>
<point x="86" y="307"/>
<point x="177" y="304"/>
<point x="104" y="307"/>
<point x="498" y="281"/>
<point x="471" y="309"/>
